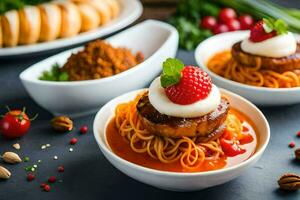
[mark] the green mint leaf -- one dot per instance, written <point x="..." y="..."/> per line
<point x="63" y="76"/>
<point x="280" y="27"/>
<point x="171" y="72"/>
<point x="268" y="25"/>
<point x="275" y="25"/>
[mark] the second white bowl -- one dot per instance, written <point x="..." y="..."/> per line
<point x="156" y="40"/>
<point x="257" y="95"/>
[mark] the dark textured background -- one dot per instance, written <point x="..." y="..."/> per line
<point x="88" y="175"/>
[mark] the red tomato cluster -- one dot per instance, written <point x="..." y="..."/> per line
<point x="227" y="21"/>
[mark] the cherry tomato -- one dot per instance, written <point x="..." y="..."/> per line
<point x="14" y="124"/>
<point x="220" y="28"/>
<point x="231" y="148"/>
<point x="246" y="22"/>
<point x="233" y="25"/>
<point x="226" y="14"/>
<point x="209" y="22"/>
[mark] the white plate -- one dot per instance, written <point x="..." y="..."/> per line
<point x="130" y="11"/>
<point x="175" y="180"/>
<point x="156" y="40"/>
<point x="258" y="95"/>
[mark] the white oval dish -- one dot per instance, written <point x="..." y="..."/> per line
<point x="156" y="40"/>
<point x="173" y="180"/>
<point x="258" y="95"/>
<point x="131" y="10"/>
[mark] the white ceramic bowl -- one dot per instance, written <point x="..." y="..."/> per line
<point x="257" y="95"/>
<point x="174" y="180"/>
<point x="157" y="41"/>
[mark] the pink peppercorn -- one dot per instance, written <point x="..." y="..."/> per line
<point x="61" y="169"/>
<point x="47" y="188"/>
<point x="73" y="141"/>
<point x="52" y="179"/>
<point x="30" y="177"/>
<point x="298" y="134"/>
<point x="292" y="144"/>
<point x="83" y="129"/>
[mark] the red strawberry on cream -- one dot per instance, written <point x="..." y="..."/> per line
<point x="183" y="91"/>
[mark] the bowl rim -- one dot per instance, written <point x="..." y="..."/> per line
<point x="163" y="25"/>
<point x="201" y="64"/>
<point x="107" y="151"/>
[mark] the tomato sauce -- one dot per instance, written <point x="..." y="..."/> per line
<point x="120" y="146"/>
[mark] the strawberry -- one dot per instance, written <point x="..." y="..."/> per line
<point x="184" y="84"/>
<point x="266" y="29"/>
<point x="258" y="33"/>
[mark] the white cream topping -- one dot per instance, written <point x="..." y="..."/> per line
<point x="276" y="47"/>
<point x="162" y="103"/>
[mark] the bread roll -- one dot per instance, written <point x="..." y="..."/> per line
<point x="10" y="28"/>
<point x="103" y="10"/>
<point x="70" y="19"/>
<point x="114" y="7"/>
<point x="90" y="18"/>
<point x="30" y="25"/>
<point x="50" y="21"/>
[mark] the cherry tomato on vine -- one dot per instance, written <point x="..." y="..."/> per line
<point x="226" y="14"/>
<point x="14" y="124"/>
<point x="220" y="28"/>
<point x="208" y="22"/>
<point x="246" y="22"/>
<point x="233" y="25"/>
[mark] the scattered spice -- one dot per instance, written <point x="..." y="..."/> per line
<point x="17" y="146"/>
<point x="55" y="157"/>
<point x="71" y="149"/>
<point x="26" y="159"/>
<point x="292" y="144"/>
<point x="62" y="124"/>
<point x="4" y="173"/>
<point x="47" y="188"/>
<point x="11" y="157"/>
<point x="30" y="177"/>
<point x="61" y="169"/>
<point x="297" y="153"/>
<point x="289" y="182"/>
<point x="39" y="161"/>
<point x="52" y="179"/>
<point x="35" y="166"/>
<point x="43" y="147"/>
<point x="48" y="145"/>
<point x="83" y="129"/>
<point x="73" y="141"/>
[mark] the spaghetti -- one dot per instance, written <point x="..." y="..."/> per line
<point x="224" y="65"/>
<point x="190" y="153"/>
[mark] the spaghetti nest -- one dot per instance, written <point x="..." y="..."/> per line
<point x="188" y="151"/>
<point x="224" y="65"/>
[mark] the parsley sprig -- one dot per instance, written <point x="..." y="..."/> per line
<point x="171" y="72"/>
<point x="54" y="74"/>
<point x="275" y="25"/>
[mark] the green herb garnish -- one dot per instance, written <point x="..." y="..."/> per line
<point x="55" y="74"/>
<point x="171" y="72"/>
<point x="275" y="25"/>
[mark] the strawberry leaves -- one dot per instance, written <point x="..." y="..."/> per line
<point x="171" y="75"/>
<point x="275" y="25"/>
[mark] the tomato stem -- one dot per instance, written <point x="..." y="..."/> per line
<point x="34" y="117"/>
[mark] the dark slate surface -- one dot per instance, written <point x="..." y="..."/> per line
<point x="88" y="175"/>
